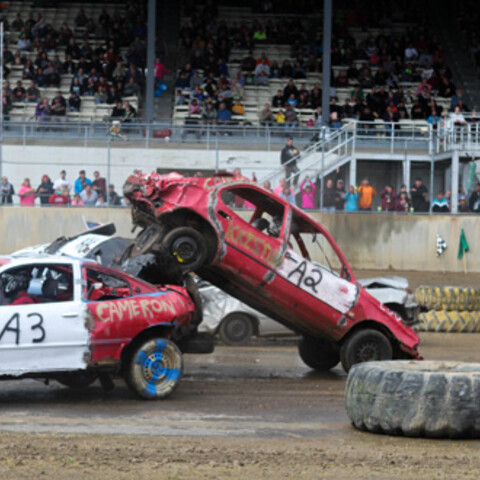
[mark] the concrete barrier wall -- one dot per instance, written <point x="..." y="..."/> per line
<point x="375" y="241"/>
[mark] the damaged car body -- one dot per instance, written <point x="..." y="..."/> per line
<point x="73" y="320"/>
<point x="272" y="256"/>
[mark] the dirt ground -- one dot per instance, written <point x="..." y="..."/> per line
<point x="252" y="412"/>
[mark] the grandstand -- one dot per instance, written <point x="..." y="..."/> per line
<point x="53" y="19"/>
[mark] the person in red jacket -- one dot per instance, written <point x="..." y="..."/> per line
<point x="59" y="198"/>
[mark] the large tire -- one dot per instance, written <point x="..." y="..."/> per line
<point x="449" y="322"/>
<point x="187" y="246"/>
<point x="448" y="298"/>
<point x="415" y="398"/>
<point x="236" y="329"/>
<point x="154" y="369"/>
<point x="364" y="346"/>
<point x="317" y="353"/>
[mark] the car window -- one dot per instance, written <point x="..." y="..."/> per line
<point x="36" y="283"/>
<point x="256" y="208"/>
<point x="104" y="286"/>
<point x="308" y="240"/>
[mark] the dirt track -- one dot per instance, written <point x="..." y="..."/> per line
<point x="249" y="412"/>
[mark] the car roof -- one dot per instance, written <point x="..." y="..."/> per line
<point x="42" y="258"/>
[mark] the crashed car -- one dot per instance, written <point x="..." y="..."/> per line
<point x="235" y="322"/>
<point x="74" y="321"/>
<point x="273" y="257"/>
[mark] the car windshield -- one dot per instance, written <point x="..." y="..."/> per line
<point x="308" y="240"/>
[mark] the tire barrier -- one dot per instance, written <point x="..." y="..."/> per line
<point x="415" y="398"/>
<point x="448" y="298"/>
<point x="449" y="321"/>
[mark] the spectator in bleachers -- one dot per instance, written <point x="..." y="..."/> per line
<point x="286" y="70"/>
<point x="290" y="89"/>
<point x="42" y="111"/>
<point x="248" y="64"/>
<point x="59" y="198"/>
<point x="77" y="201"/>
<point x="6" y="192"/>
<point x="81" y="182"/>
<point x="224" y="117"/>
<point x="209" y="115"/>
<point x="99" y="184"/>
<point x="130" y="113"/>
<point x="19" y="93"/>
<point x="291" y="118"/>
<point x="388" y="198"/>
<point x="131" y="89"/>
<point x="262" y="73"/>
<point x="117" y="111"/>
<point x="419" y="194"/>
<point x="238" y="108"/>
<point x="366" y="193"/>
<point x="58" y="109"/>
<point x="463" y="204"/>
<point x="74" y="102"/>
<point x="474" y="200"/>
<point x="292" y="100"/>
<point x="402" y="203"/>
<point x="280" y="117"/>
<point x="44" y="190"/>
<point x="457" y="117"/>
<point x="440" y="204"/>
<point x="194" y="107"/>
<point x="335" y="122"/>
<point x="24" y="44"/>
<point x="26" y="193"/>
<point x="278" y="101"/>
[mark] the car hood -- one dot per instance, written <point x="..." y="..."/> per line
<point x="384" y="282"/>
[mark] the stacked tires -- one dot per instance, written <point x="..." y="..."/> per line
<point x="448" y="309"/>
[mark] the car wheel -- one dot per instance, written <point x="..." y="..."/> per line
<point x="364" y="346"/>
<point x="155" y="369"/>
<point x="77" y="380"/>
<point x="146" y="239"/>
<point x="236" y="329"/>
<point x="187" y="246"/>
<point x="317" y="353"/>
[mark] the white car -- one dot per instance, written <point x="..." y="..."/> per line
<point x="235" y="322"/>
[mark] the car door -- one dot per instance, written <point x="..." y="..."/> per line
<point x="319" y="276"/>
<point x="49" y="334"/>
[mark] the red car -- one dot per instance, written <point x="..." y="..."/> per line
<point x="272" y="256"/>
<point x="73" y="320"/>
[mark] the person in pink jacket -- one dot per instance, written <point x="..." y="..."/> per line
<point x="307" y="194"/>
<point x="26" y="193"/>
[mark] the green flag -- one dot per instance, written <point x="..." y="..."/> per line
<point x="462" y="245"/>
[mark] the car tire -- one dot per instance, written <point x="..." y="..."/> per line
<point x="448" y="298"/>
<point x="236" y="329"/>
<point x="146" y="239"/>
<point x="363" y="346"/>
<point x="188" y="246"/>
<point x="449" y="322"/>
<point x="154" y="369"/>
<point x="415" y="398"/>
<point x="317" y="353"/>
<point x="77" y="380"/>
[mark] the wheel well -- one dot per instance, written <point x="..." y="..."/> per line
<point x="254" y="321"/>
<point x="397" y="353"/>
<point x="163" y="331"/>
<point x="186" y="218"/>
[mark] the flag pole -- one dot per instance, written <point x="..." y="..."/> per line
<point x="465" y="263"/>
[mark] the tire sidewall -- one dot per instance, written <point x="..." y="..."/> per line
<point x="318" y="354"/>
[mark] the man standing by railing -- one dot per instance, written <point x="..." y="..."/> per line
<point x="366" y="193"/>
<point x="289" y="162"/>
<point x="6" y="192"/>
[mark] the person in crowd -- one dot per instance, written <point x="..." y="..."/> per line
<point x="329" y="196"/>
<point x="224" y="117"/>
<point x="307" y="190"/>
<point x="388" y="197"/>
<point x="6" y="192"/>
<point x="419" y="195"/>
<point x="62" y="182"/>
<point x="266" y="116"/>
<point x="238" y="108"/>
<point x="130" y="113"/>
<point x="288" y="195"/>
<point x="366" y="193"/>
<point x="26" y="194"/>
<point x="280" y="187"/>
<point x="59" y="197"/>
<point x="81" y="182"/>
<point x="267" y="185"/>
<point x="291" y="118"/>
<point x="440" y="204"/>
<point x="99" y="184"/>
<point x="288" y="161"/>
<point x="42" y="111"/>
<point x="339" y="194"/>
<point x="402" y="203"/>
<point x="463" y="204"/>
<point x="74" y="102"/>
<point x="89" y="196"/>
<point x="33" y="93"/>
<point x="44" y="190"/>
<point x="113" y="198"/>
<point x="19" y="93"/>
<point x="117" y="111"/>
<point x="474" y="200"/>
<point x="101" y="202"/>
<point x="351" y="199"/>
<point x="77" y="201"/>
